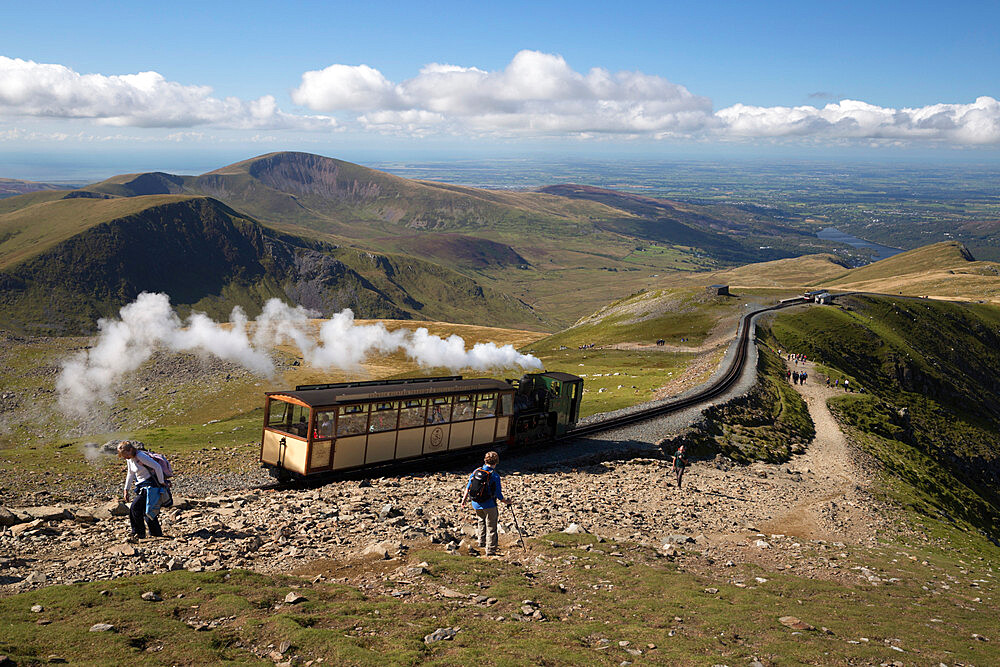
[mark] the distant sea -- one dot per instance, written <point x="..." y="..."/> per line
<point x="834" y="234"/>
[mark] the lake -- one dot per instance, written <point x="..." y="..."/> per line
<point x="834" y="234"/>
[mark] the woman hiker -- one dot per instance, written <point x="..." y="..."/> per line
<point x="149" y="484"/>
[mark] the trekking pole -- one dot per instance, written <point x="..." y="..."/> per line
<point x="517" y="527"/>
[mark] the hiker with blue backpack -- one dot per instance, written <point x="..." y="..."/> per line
<point x="149" y="472"/>
<point x="484" y="490"/>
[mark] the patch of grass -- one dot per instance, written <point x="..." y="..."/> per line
<point x="616" y="597"/>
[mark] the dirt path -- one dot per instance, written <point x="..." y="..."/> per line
<point x="834" y="507"/>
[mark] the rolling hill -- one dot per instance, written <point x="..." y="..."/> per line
<point x="65" y="263"/>
<point x="944" y="270"/>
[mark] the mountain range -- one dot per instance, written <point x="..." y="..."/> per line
<point x="330" y="234"/>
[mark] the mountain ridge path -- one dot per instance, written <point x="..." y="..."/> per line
<point x="839" y="476"/>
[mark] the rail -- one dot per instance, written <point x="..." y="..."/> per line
<point x="730" y="376"/>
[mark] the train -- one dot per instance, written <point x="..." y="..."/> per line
<point x="324" y="428"/>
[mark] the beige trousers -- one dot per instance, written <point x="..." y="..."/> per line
<point x="487" y="529"/>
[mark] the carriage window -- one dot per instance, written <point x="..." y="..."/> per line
<point x="412" y="413"/>
<point x="383" y="417"/>
<point x="352" y="420"/>
<point x="324" y="424"/>
<point x="463" y="409"/>
<point x="507" y="404"/>
<point x="289" y="418"/>
<point x="440" y="411"/>
<point x="486" y="406"/>
<point x="556" y="388"/>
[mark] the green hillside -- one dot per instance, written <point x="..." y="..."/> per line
<point x="946" y="270"/>
<point x="930" y="407"/>
<point x="64" y="264"/>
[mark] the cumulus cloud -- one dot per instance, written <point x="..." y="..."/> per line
<point x="146" y="99"/>
<point x="536" y="94"/>
<point x="976" y="123"/>
<point x="539" y="94"/>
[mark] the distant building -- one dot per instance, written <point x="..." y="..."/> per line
<point x="718" y="290"/>
<point x="823" y="297"/>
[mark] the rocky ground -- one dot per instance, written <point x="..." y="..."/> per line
<point x="805" y="516"/>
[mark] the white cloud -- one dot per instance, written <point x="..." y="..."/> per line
<point x="146" y="99"/>
<point x="977" y="123"/>
<point x="535" y="94"/>
<point x="539" y="94"/>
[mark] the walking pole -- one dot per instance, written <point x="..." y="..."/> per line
<point x="519" y="538"/>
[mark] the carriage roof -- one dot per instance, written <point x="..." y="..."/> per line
<point x="337" y="395"/>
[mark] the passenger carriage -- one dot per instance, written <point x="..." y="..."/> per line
<point x="350" y="425"/>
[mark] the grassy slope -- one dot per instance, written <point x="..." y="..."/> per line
<point x="31" y="230"/>
<point x="615" y="598"/>
<point x="939" y="361"/>
<point x="942" y="270"/>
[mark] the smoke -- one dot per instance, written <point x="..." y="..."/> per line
<point x="149" y="324"/>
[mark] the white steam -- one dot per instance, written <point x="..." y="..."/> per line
<point x="148" y="324"/>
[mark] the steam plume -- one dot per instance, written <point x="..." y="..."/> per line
<point x="148" y="324"/>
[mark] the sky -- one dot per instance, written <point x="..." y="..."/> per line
<point x="190" y="86"/>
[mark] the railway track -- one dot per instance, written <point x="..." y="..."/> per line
<point x="729" y="377"/>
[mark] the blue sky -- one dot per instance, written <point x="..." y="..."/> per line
<point x="594" y="78"/>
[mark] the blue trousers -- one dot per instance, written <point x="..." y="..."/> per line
<point x="144" y="509"/>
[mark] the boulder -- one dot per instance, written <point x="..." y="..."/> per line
<point x="81" y="515"/>
<point x="295" y="598"/>
<point x="575" y="529"/>
<point x="441" y="634"/>
<point x="795" y="623"/>
<point x="8" y="518"/>
<point x="679" y="539"/>
<point x="102" y="627"/>
<point x="115" y="508"/>
<point x="377" y="550"/>
<point x="24" y="527"/>
<point x="150" y="596"/>
<point x="36" y="578"/>
<point x="48" y="513"/>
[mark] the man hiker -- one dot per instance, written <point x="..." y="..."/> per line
<point x="680" y="462"/>
<point x="483" y="489"/>
<point x="149" y="484"/>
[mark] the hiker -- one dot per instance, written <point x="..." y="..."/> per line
<point x="827" y="380"/>
<point x="795" y="377"/>
<point x="788" y="375"/>
<point x="679" y="463"/>
<point x="483" y="489"/>
<point x="802" y="377"/>
<point x="847" y="385"/>
<point x="149" y="484"/>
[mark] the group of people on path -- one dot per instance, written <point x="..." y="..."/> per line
<point x="796" y="377"/>
<point x="836" y="384"/>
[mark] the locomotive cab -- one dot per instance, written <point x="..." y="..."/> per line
<point x="546" y="405"/>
